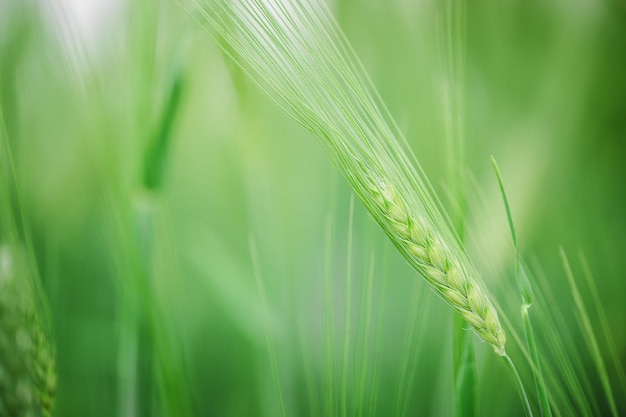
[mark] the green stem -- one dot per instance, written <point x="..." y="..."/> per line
<point x="464" y="370"/>
<point x="269" y="339"/>
<point x="520" y="385"/>
<point x="453" y="61"/>
<point x="525" y="289"/>
<point x="542" y="393"/>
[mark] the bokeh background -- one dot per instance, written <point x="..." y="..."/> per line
<point x="201" y="256"/>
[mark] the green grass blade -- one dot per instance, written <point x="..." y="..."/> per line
<point x="617" y="363"/>
<point x="378" y="337"/>
<point x="542" y="391"/>
<point x="348" y="314"/>
<point x="157" y="151"/>
<point x="590" y="337"/>
<point x="329" y="397"/>
<point x="520" y="386"/>
<point x="408" y="352"/>
<point x="367" y="322"/>
<point x="568" y="367"/>
<point x="452" y="33"/>
<point x="509" y="218"/>
<point x="464" y="370"/>
<point x="525" y="289"/>
<point x="269" y="339"/>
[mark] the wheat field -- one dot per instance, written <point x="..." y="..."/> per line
<point x="312" y="208"/>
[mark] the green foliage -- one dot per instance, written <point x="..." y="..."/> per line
<point x="138" y="161"/>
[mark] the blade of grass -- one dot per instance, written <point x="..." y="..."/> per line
<point x="562" y="350"/>
<point x="617" y="363"/>
<point x="348" y="313"/>
<point x="452" y="46"/>
<point x="330" y="320"/>
<point x="464" y="370"/>
<point x="366" y="302"/>
<point x="525" y="289"/>
<point x="405" y="355"/>
<point x="413" y="362"/>
<point x="414" y="332"/>
<point x="378" y="335"/>
<point x="590" y="338"/>
<point x="256" y="265"/>
<point x="520" y="385"/>
<point x="156" y="154"/>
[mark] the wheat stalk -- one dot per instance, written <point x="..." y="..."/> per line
<point x="297" y="54"/>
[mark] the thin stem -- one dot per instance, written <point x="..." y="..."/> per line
<point x="452" y="48"/>
<point x="269" y="340"/>
<point x="592" y="342"/>
<point x="464" y="370"/>
<point x="542" y="393"/>
<point x="348" y="316"/>
<point x="526" y="292"/>
<point x="520" y="385"/>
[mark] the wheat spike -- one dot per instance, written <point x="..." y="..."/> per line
<point x="297" y="54"/>
<point x="27" y="371"/>
<point x="427" y="252"/>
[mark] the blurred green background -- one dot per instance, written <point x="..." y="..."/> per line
<point x="152" y="173"/>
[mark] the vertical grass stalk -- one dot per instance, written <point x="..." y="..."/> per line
<point x="590" y="338"/>
<point x="256" y="265"/>
<point x="452" y="34"/>
<point x="525" y="289"/>
<point x="347" y="314"/>
<point x="520" y="386"/>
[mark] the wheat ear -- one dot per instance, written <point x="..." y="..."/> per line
<point x="297" y="54"/>
<point x="27" y="369"/>
<point x="427" y="252"/>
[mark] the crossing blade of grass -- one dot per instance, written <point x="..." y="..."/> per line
<point x="378" y="336"/>
<point x="590" y="338"/>
<point x="542" y="391"/>
<point x="269" y="339"/>
<point x="348" y="314"/>
<point x="407" y="344"/>
<point x="559" y="345"/>
<point x="525" y="290"/>
<point x="329" y="396"/>
<point x="410" y="354"/>
<point x="170" y="371"/>
<point x="312" y="393"/>
<point x="464" y="370"/>
<point x="617" y="363"/>
<point x="520" y="385"/>
<point x="452" y="33"/>
<point x="367" y="322"/>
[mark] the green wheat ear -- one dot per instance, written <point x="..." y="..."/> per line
<point x="296" y="53"/>
<point x="427" y="251"/>
<point x="27" y="368"/>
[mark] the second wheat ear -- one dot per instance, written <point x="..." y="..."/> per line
<point x="28" y="377"/>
